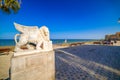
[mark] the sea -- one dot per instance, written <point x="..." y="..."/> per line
<point x="11" y="42"/>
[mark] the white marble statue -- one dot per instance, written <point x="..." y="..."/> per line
<point x="32" y="38"/>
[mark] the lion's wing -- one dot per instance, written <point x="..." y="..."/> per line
<point x="23" y="28"/>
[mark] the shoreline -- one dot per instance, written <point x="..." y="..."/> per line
<point x="64" y="45"/>
<point x="55" y="46"/>
<point x="6" y="48"/>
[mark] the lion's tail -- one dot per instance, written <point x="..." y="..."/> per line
<point x="16" y="38"/>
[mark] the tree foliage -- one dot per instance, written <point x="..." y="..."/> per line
<point x="9" y="6"/>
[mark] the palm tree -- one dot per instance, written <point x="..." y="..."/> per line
<point x="10" y="5"/>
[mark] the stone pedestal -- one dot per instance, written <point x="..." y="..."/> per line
<point x="33" y="66"/>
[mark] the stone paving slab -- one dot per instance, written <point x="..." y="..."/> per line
<point x="88" y="63"/>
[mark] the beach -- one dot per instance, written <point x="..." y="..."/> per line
<point x="83" y="62"/>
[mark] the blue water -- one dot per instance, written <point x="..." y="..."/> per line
<point x="11" y="42"/>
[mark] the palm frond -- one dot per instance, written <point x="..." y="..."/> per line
<point x="9" y="6"/>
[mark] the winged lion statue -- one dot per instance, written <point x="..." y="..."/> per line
<point x="32" y="37"/>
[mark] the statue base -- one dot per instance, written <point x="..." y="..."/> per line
<point x="27" y="52"/>
<point x="33" y="65"/>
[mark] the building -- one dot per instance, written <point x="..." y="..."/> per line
<point x="113" y="37"/>
<point x="118" y="35"/>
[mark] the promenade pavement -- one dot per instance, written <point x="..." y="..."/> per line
<point x="88" y="62"/>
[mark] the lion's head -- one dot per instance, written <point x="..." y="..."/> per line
<point x="45" y="32"/>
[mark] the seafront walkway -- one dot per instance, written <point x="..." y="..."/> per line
<point x="88" y="62"/>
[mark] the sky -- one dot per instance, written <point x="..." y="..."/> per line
<point x="66" y="19"/>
